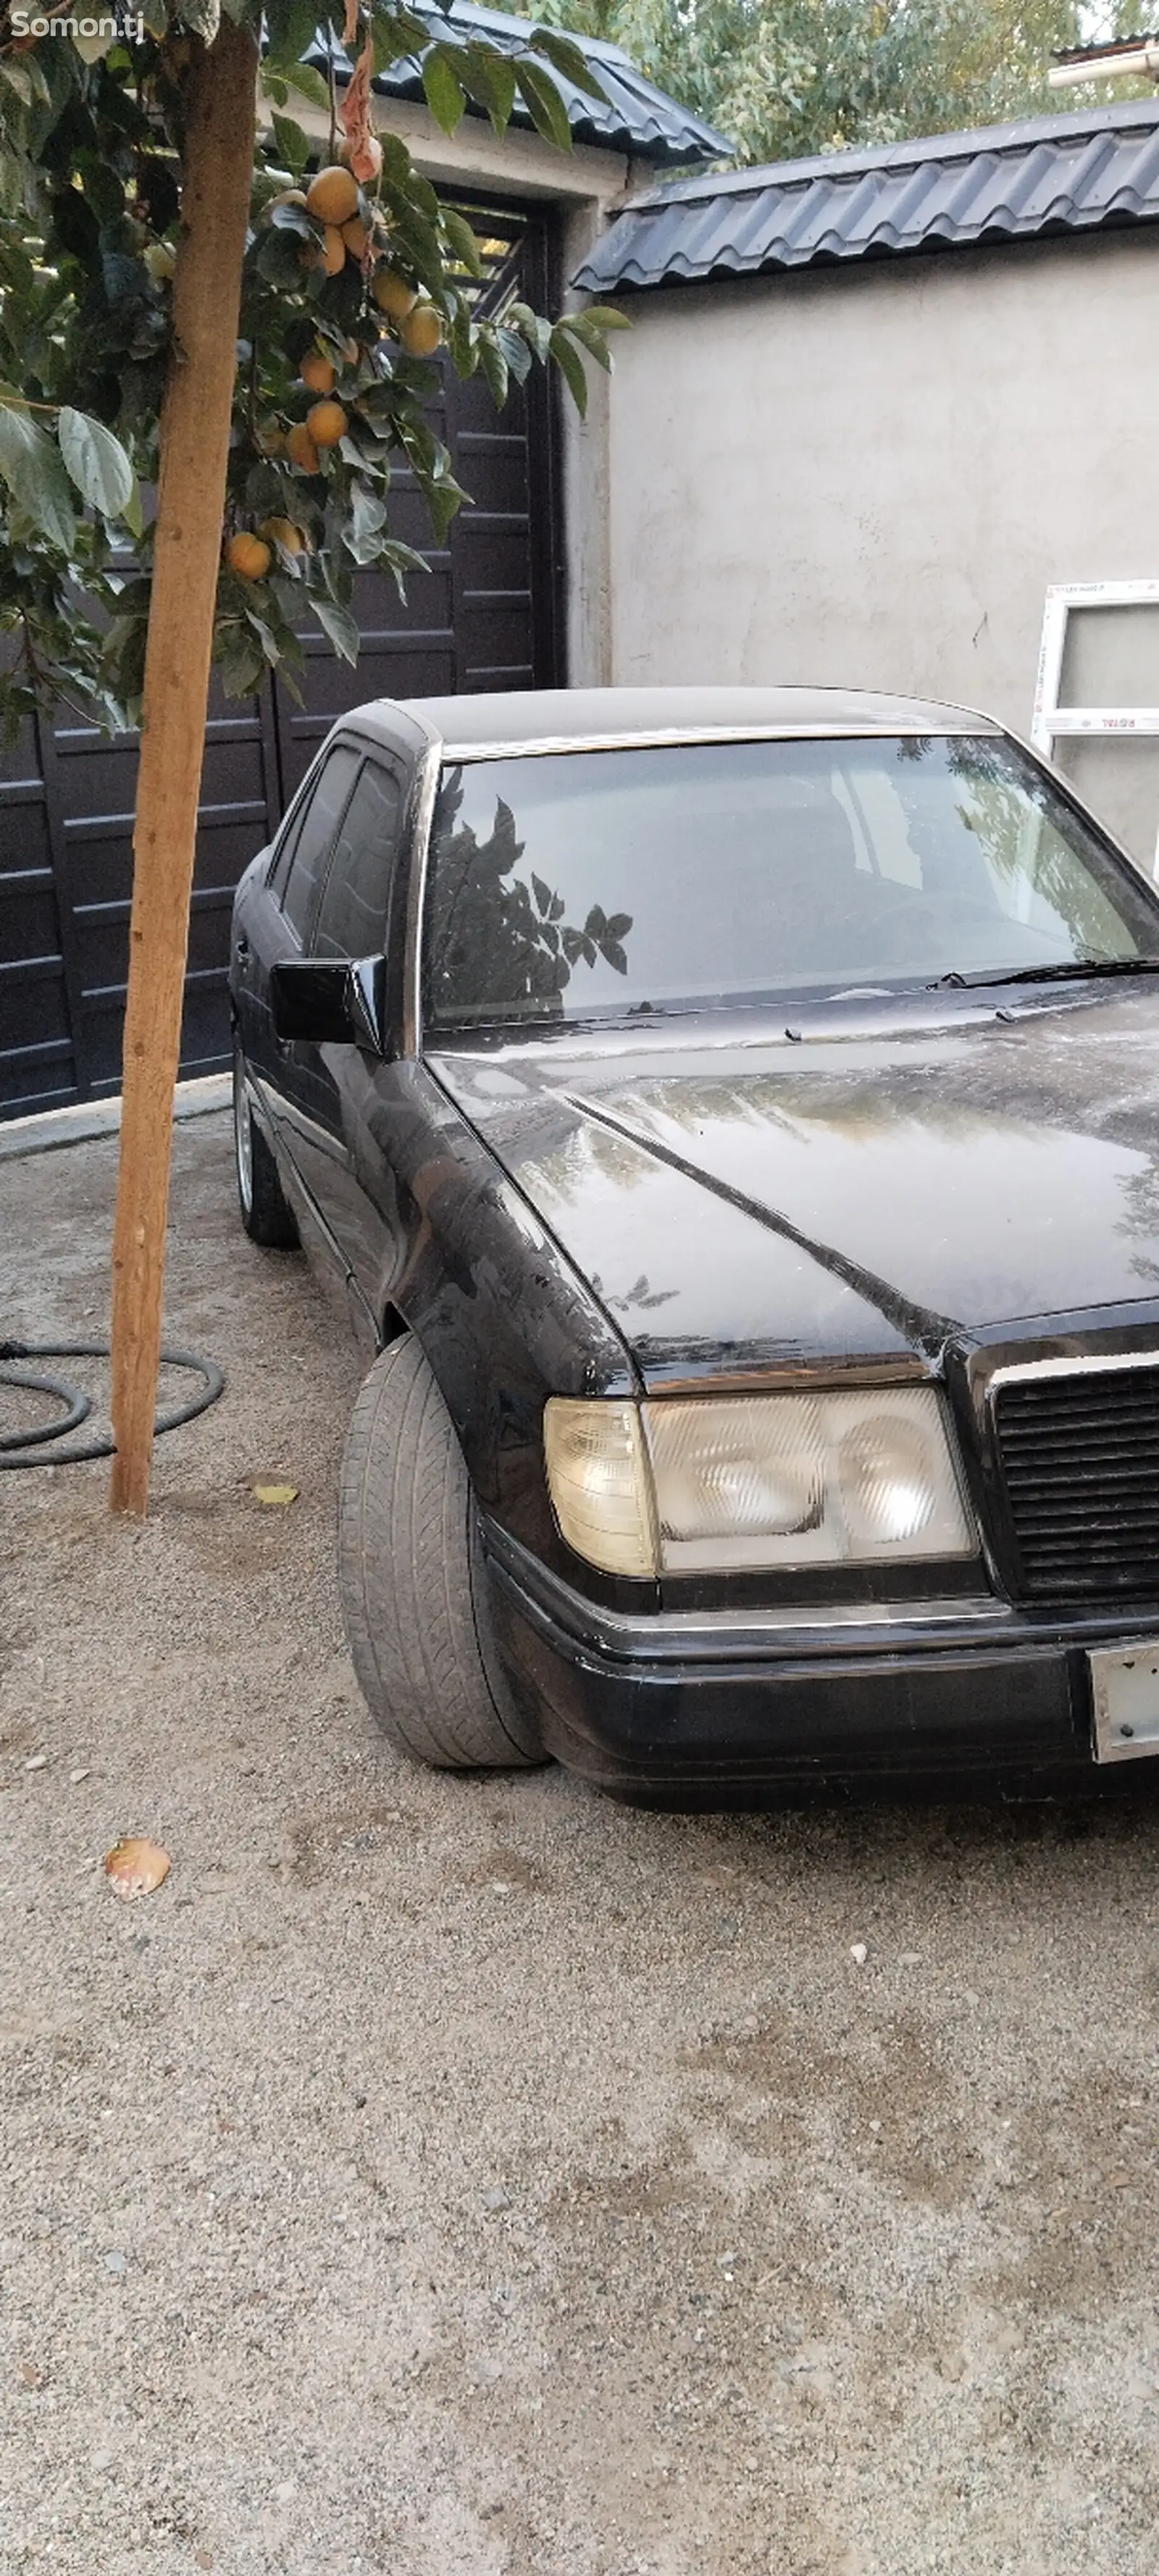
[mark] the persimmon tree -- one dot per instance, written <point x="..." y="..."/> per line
<point x="187" y="306"/>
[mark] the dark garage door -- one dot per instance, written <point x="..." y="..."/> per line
<point x="485" y="616"/>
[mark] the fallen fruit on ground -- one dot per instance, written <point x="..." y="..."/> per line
<point x="274" y="1495"/>
<point x="300" y="448"/>
<point x="392" y="294"/>
<point x="248" y="556"/>
<point x="317" y="372"/>
<point x="420" y="331"/>
<point x="333" y="196"/>
<point x="333" y="251"/>
<point x="327" y="423"/>
<point x="136" y="1866"/>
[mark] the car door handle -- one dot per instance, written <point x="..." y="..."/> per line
<point x="241" y="947"/>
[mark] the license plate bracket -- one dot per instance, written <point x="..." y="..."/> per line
<point x="1125" y="1693"/>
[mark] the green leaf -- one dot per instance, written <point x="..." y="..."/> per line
<point x="592" y="339"/>
<point x="96" y="461"/>
<point x="291" y="143"/>
<point x="489" y="78"/>
<point x="516" y="354"/>
<point x="443" y="90"/>
<point x="307" y="80"/>
<point x="291" y="26"/>
<point x="132" y="514"/>
<point x="606" y="318"/>
<point x="30" y="464"/>
<point x="462" y="240"/>
<point x="532" y="327"/>
<point x="541" y="97"/>
<point x="567" y="57"/>
<point x="240" y="660"/>
<point x="494" y="366"/>
<point x="270" y="647"/>
<point x="277" y="258"/>
<point x="367" y="519"/>
<point x="202" y="17"/>
<point x="292" y="219"/>
<point x="397" y="31"/>
<point x="340" y="626"/>
<point x="571" y="368"/>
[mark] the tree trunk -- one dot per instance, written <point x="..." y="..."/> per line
<point x="195" y="425"/>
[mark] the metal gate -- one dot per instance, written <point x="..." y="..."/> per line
<point x="486" y="615"/>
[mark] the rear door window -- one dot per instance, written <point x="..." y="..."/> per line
<point x="352" y="915"/>
<point x="315" y="839"/>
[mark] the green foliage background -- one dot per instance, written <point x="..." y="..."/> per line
<point x="90" y="156"/>
<point x="787" y="78"/>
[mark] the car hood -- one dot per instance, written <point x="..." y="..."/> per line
<point x="741" y="1195"/>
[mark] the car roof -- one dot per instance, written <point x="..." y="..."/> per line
<point x="522" y="719"/>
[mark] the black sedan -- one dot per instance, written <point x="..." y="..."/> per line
<point x="731" y="1120"/>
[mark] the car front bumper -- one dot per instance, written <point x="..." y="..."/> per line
<point x="736" y="1708"/>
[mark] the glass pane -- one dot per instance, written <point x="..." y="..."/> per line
<point x="1118" y="775"/>
<point x="352" y="914"/>
<point x="589" y="883"/>
<point x="316" y="835"/>
<point x="1111" y="657"/>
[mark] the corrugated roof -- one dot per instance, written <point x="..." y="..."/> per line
<point x="1106" y="49"/>
<point x="636" y="118"/>
<point x="1048" y="174"/>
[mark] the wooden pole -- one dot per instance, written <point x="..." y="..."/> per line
<point x="195" y="425"/>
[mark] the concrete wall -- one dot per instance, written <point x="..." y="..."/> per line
<point x="868" y="476"/>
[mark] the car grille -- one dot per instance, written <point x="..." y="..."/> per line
<point x="1080" y="1457"/>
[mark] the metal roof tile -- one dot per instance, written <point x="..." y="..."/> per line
<point x="1045" y="174"/>
<point x="635" y="118"/>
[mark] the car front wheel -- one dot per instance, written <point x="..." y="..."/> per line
<point x="265" y="1210"/>
<point x="414" y="1586"/>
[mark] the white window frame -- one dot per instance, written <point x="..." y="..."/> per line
<point x="1053" y="723"/>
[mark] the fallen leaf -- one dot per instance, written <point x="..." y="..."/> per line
<point x="75" y="1778"/>
<point x="275" y="1494"/>
<point x="31" y="2376"/>
<point x="37" y="1762"/>
<point x="136" y="1867"/>
<point x="203" y="2557"/>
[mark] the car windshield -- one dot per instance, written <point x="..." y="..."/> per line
<point x="599" y="883"/>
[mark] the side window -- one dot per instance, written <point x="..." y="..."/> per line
<point x="315" y="835"/>
<point x="352" y="914"/>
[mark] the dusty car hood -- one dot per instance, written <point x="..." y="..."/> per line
<point x="739" y="1195"/>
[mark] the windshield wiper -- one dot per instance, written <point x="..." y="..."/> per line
<point x="1074" y="970"/>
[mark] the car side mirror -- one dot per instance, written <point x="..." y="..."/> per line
<point x="332" y="1002"/>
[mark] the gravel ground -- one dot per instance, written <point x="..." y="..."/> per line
<point x="446" y="2177"/>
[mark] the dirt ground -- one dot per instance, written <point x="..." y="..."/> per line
<point x="448" y="2177"/>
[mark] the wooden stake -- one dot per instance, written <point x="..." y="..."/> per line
<point x="195" y="426"/>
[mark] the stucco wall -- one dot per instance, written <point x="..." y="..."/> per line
<point x="868" y="476"/>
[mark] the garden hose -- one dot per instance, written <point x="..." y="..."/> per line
<point x="77" y="1405"/>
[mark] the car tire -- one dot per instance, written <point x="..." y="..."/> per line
<point x="266" y="1213"/>
<point x="413" y="1581"/>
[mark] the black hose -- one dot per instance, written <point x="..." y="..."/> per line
<point x="77" y="1405"/>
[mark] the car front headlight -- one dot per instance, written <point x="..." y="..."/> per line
<point x="691" y="1484"/>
